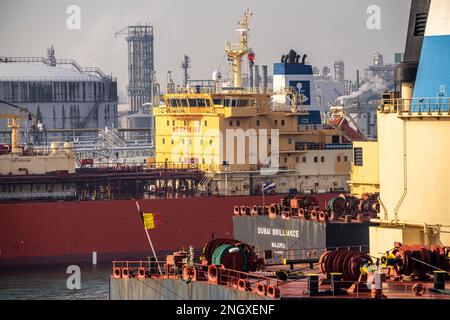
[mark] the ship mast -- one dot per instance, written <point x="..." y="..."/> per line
<point x="235" y="55"/>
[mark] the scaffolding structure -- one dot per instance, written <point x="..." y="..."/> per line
<point x="140" y="63"/>
<point x="185" y="65"/>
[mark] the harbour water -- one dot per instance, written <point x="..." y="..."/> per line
<point x="51" y="284"/>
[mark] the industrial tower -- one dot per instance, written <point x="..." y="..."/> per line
<point x="339" y="74"/>
<point x="185" y="65"/>
<point x="140" y="63"/>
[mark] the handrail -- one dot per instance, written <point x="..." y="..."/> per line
<point x="416" y="106"/>
<point x="227" y="276"/>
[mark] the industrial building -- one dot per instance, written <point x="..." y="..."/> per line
<point x="140" y="63"/>
<point x="69" y="100"/>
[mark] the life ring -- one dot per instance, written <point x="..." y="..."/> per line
<point x="322" y="216"/>
<point x="273" y="292"/>
<point x="117" y="273"/>
<point x="141" y="273"/>
<point x="418" y="289"/>
<point x="243" y="285"/>
<point x="189" y="274"/>
<point x="301" y="212"/>
<point x="213" y="274"/>
<point x="314" y="215"/>
<point x="125" y="273"/>
<point x="261" y="289"/>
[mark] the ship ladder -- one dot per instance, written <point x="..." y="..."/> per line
<point x="202" y="186"/>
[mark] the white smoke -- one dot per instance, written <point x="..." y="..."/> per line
<point x="376" y="84"/>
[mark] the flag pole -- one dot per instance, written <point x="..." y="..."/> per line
<point x="263" y="191"/>
<point x="153" y="250"/>
<point x="149" y="240"/>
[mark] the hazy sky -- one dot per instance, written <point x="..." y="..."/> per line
<point x="326" y="30"/>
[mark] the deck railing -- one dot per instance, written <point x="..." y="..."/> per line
<point x="431" y="106"/>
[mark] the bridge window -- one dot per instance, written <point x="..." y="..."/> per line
<point x="172" y="102"/>
<point x="335" y="139"/>
<point x="230" y="102"/>
<point x="183" y="102"/>
<point x="230" y="123"/>
<point x="257" y="123"/>
<point x="282" y="122"/>
<point x="243" y="103"/>
<point x="192" y="102"/>
<point x="238" y="123"/>
<point x="218" y="102"/>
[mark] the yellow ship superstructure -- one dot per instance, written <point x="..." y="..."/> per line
<point x="210" y="130"/>
<point x="232" y="135"/>
<point x="243" y="136"/>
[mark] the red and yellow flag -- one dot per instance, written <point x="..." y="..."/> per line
<point x="151" y="220"/>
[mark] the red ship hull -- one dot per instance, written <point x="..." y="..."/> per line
<point x="69" y="231"/>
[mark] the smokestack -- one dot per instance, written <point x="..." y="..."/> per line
<point x="357" y="80"/>
<point x="250" y="74"/>
<point x="264" y="78"/>
<point x="256" y="77"/>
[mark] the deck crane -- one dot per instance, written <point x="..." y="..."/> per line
<point x="13" y="123"/>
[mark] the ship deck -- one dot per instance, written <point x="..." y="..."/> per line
<point x="297" y="289"/>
